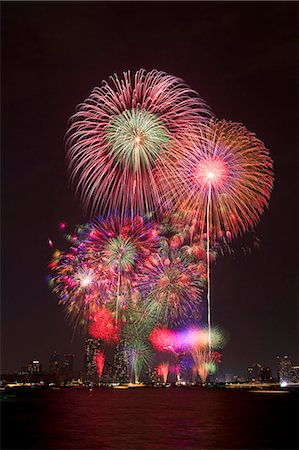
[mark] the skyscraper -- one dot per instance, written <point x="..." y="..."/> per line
<point x="68" y="364"/>
<point x="266" y="375"/>
<point x="120" y="364"/>
<point x="254" y="372"/>
<point x="92" y="346"/>
<point x="54" y="362"/>
<point x="34" y="367"/>
<point x="67" y="369"/>
<point x="284" y="369"/>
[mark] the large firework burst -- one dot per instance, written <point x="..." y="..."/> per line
<point x="123" y="245"/>
<point x="123" y="137"/>
<point x="225" y="177"/>
<point x="175" y="290"/>
<point x="102" y="266"/>
<point x="77" y="285"/>
<point x="172" y="284"/>
<point x="102" y="326"/>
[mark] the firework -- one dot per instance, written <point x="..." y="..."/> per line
<point x="199" y="341"/>
<point x="205" y="363"/>
<point x="175" y="290"/>
<point x="172" y="285"/>
<point x="194" y="337"/>
<point x="138" y="355"/>
<point x="102" y="265"/>
<point x="224" y="183"/>
<point x="138" y="325"/>
<point x="125" y="244"/>
<point x="101" y="326"/>
<point x="163" y="370"/>
<point x="100" y="361"/>
<point x="77" y="286"/>
<point x="176" y="371"/>
<point x="123" y="137"/>
<point x="163" y="339"/>
<point x="124" y="247"/>
<point x="136" y="330"/>
<point x="225" y="176"/>
<point x="194" y="341"/>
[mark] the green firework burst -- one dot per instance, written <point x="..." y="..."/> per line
<point x="136" y="138"/>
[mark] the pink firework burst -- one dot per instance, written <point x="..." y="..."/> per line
<point x="123" y="138"/>
<point x="163" y="370"/>
<point x="163" y="339"/>
<point x="227" y="171"/>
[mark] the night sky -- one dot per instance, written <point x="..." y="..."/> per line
<point x="240" y="57"/>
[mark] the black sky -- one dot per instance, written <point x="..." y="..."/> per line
<point x="240" y="57"/>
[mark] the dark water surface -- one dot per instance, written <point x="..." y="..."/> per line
<point x="178" y="418"/>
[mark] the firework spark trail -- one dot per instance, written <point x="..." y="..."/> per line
<point x="193" y="340"/>
<point x="100" y="361"/>
<point x="163" y="370"/>
<point x="238" y="167"/>
<point x="205" y="362"/>
<point x="135" y="332"/>
<point x="122" y="140"/>
<point x="208" y="266"/>
<point x="199" y="343"/>
<point x="138" y="354"/>
<point x="225" y="180"/>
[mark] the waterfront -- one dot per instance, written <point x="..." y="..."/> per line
<point x="177" y="418"/>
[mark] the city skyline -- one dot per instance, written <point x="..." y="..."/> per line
<point x="254" y="295"/>
<point x="88" y="366"/>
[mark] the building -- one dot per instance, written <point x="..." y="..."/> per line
<point x="284" y="369"/>
<point x="186" y="364"/>
<point x="68" y="364"/>
<point x="249" y="374"/>
<point x="295" y="373"/>
<point x="120" y="364"/>
<point x="229" y="378"/>
<point x="23" y="370"/>
<point x="54" y="363"/>
<point x="155" y="378"/>
<point x="266" y="375"/>
<point x="66" y="371"/>
<point x="107" y="376"/>
<point x="92" y="346"/>
<point x="254" y="372"/>
<point x="34" y="367"/>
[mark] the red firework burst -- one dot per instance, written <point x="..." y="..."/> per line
<point x="100" y="361"/>
<point x="102" y="326"/>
